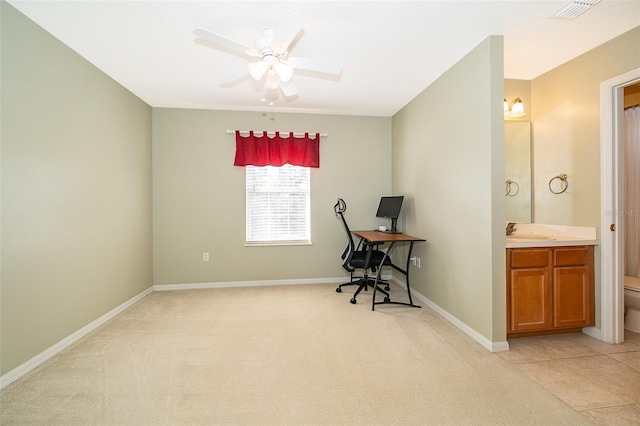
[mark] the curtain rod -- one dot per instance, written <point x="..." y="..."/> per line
<point x="298" y="134"/>
<point x="632" y="106"/>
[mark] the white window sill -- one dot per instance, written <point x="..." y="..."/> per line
<point x="276" y="243"/>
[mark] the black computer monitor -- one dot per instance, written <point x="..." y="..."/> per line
<point x="389" y="208"/>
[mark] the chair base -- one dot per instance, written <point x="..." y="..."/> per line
<point x="363" y="284"/>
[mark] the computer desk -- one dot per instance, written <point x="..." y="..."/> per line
<point x="377" y="237"/>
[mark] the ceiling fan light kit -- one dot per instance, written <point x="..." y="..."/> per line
<point x="271" y="51"/>
<point x="271" y="82"/>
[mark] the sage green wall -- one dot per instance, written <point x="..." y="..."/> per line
<point x="76" y="192"/>
<point x="565" y="110"/>
<point x="199" y="195"/>
<point x="448" y="159"/>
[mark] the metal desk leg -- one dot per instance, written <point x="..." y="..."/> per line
<point x="378" y="274"/>
<point x="404" y="272"/>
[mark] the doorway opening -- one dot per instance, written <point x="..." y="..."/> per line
<point x="612" y="206"/>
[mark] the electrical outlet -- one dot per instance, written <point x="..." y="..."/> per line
<point x="417" y="261"/>
<point x="205" y="257"/>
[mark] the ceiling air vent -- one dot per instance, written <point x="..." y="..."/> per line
<point x="574" y="9"/>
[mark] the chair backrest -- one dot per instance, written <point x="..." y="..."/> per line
<point x="340" y="207"/>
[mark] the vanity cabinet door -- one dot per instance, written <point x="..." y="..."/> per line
<point x="530" y="300"/>
<point x="573" y="298"/>
<point x="529" y="295"/>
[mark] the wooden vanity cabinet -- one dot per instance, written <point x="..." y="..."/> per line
<point x="549" y="290"/>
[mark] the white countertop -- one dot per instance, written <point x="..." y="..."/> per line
<point x="541" y="235"/>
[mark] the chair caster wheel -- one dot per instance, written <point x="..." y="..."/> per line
<point x="353" y="300"/>
<point x="387" y="288"/>
<point x="338" y="290"/>
<point x="387" y="300"/>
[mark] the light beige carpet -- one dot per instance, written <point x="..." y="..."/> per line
<point x="285" y="355"/>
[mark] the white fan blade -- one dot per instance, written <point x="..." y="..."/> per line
<point x="223" y="41"/>
<point x="288" y="88"/>
<point x="288" y="28"/>
<point x="319" y="65"/>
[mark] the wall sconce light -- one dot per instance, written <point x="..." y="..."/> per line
<point x="515" y="109"/>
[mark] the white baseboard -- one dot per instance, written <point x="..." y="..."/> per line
<point x="486" y="343"/>
<point x="195" y="286"/>
<point x="52" y="351"/>
<point x="596" y="333"/>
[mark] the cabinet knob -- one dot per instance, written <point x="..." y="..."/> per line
<point x="612" y="227"/>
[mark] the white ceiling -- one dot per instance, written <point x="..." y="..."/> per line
<point x="390" y="50"/>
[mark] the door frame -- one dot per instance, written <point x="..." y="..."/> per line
<point x="612" y="206"/>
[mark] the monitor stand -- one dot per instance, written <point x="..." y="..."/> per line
<point x="394" y="227"/>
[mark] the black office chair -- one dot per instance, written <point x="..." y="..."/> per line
<point x="365" y="257"/>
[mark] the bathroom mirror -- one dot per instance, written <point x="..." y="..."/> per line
<point x="517" y="136"/>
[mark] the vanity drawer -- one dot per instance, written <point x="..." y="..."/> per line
<point x="529" y="258"/>
<point x="568" y="256"/>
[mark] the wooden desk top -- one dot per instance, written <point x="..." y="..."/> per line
<point x="382" y="237"/>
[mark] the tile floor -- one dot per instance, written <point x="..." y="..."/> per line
<point x="600" y="380"/>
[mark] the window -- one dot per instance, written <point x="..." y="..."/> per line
<point x="277" y="205"/>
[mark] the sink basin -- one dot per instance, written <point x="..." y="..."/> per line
<point x="527" y="237"/>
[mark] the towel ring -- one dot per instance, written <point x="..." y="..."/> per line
<point x="564" y="184"/>
<point x="508" y="188"/>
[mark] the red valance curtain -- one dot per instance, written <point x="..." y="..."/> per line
<point x="264" y="150"/>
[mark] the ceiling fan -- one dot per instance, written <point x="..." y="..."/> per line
<point x="269" y="59"/>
